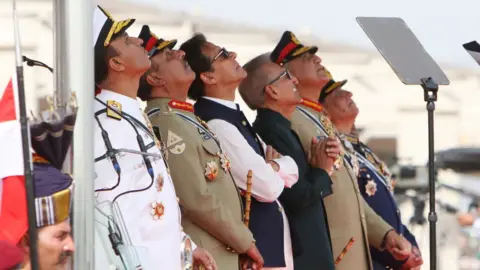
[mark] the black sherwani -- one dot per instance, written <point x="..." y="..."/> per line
<point x="303" y="202"/>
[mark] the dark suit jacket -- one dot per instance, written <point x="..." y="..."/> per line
<point x="303" y="202"/>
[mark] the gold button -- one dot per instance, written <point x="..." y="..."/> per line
<point x="244" y="123"/>
<point x="280" y="209"/>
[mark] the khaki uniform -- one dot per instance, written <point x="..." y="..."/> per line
<point x="348" y="214"/>
<point x="209" y="199"/>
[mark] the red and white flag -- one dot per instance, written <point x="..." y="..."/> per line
<point x="12" y="184"/>
<point x="11" y="157"/>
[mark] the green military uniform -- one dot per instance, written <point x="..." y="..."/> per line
<point x="348" y="213"/>
<point x="349" y="216"/>
<point x="211" y="206"/>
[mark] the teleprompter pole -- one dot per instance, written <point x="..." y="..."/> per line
<point x="430" y="89"/>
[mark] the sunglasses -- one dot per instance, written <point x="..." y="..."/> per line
<point x="222" y="53"/>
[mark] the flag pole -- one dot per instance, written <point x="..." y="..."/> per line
<point x="27" y="158"/>
<point x="80" y="66"/>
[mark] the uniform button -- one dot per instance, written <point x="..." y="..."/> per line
<point x="280" y="209"/>
<point x="363" y="216"/>
<point x="321" y="193"/>
<point x="244" y="123"/>
<point x="178" y="200"/>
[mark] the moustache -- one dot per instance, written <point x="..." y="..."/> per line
<point x="64" y="256"/>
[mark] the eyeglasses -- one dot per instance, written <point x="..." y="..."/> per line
<point x="222" y="53"/>
<point x="282" y="75"/>
<point x="285" y="73"/>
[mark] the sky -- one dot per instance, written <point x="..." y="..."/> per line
<point x="442" y="26"/>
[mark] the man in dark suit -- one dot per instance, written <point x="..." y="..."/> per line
<point x="270" y="89"/>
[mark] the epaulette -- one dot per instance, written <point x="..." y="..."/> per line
<point x="114" y="109"/>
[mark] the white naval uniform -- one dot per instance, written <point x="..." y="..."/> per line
<point x="268" y="184"/>
<point x="161" y="238"/>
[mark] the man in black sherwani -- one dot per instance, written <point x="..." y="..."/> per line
<point x="270" y="90"/>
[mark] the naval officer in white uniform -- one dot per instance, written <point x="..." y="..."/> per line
<point x="139" y="185"/>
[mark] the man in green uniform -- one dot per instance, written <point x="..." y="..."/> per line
<point x="209" y="199"/>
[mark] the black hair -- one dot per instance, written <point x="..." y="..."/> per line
<point x="198" y="62"/>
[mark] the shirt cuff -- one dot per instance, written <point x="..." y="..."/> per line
<point x="288" y="169"/>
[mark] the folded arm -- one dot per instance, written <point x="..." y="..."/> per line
<point x="267" y="185"/>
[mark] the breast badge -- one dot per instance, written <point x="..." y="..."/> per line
<point x="158" y="210"/>
<point x="211" y="170"/>
<point x="175" y="143"/>
<point x="371" y="188"/>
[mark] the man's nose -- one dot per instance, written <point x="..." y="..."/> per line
<point x="179" y="54"/>
<point x="317" y="59"/>
<point x="69" y="244"/>
<point x="137" y="41"/>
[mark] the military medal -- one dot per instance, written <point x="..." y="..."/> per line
<point x="338" y="163"/>
<point x="158" y="210"/>
<point x="211" y="170"/>
<point x="222" y="155"/>
<point x="160" y="182"/>
<point x="224" y="161"/>
<point x="370" y="187"/>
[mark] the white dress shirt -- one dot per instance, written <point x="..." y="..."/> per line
<point x="267" y="185"/>
<point x="158" y="241"/>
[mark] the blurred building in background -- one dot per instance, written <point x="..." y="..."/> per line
<point x="393" y="118"/>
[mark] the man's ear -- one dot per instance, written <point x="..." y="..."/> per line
<point x="208" y="78"/>
<point x="116" y="64"/>
<point x="272" y="92"/>
<point x="154" y="80"/>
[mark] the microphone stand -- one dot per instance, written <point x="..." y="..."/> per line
<point x="27" y="157"/>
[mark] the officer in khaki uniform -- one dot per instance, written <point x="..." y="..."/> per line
<point x="353" y="224"/>
<point x="209" y="199"/>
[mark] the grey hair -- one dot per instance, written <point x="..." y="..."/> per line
<point x="251" y="88"/>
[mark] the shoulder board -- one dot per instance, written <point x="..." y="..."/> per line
<point x="114" y="109"/>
